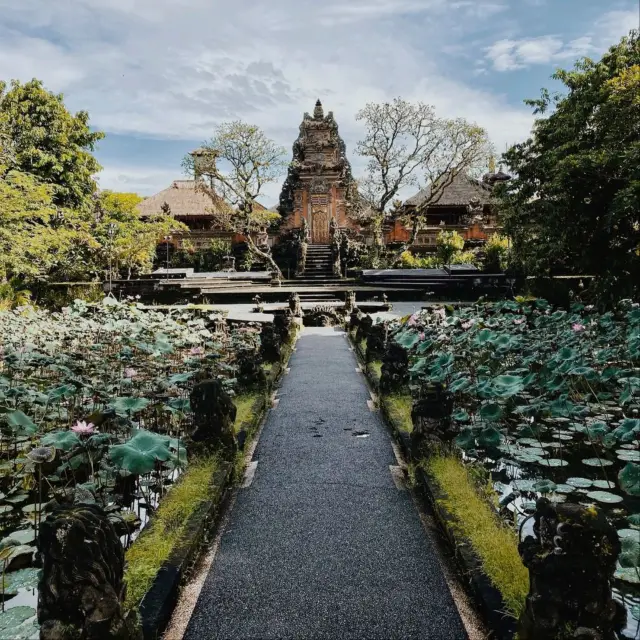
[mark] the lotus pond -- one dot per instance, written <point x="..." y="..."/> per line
<point x="94" y="407"/>
<point x="548" y="401"/>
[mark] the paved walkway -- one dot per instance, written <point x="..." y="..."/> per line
<point x="323" y="544"/>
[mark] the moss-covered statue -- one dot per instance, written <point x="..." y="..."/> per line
<point x="214" y="415"/>
<point x="571" y="560"/>
<point x="81" y="589"/>
<point x="395" y="368"/>
<point x="294" y="305"/>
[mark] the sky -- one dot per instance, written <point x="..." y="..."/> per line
<point x="158" y="75"/>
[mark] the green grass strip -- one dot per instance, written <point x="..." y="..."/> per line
<point x="244" y="407"/>
<point x="398" y="406"/>
<point x="155" y="544"/>
<point x="493" y="541"/>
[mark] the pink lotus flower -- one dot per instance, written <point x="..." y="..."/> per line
<point x="519" y="321"/>
<point x="422" y="336"/>
<point x="576" y="326"/>
<point x="196" y="351"/>
<point x="441" y="313"/>
<point x="130" y="373"/>
<point x="82" y="428"/>
<point x="468" y="324"/>
<point x="412" y="321"/>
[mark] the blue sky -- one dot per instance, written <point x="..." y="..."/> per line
<point x="157" y="75"/>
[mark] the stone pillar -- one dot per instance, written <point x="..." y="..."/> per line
<point x="571" y="560"/>
<point x="81" y="589"/>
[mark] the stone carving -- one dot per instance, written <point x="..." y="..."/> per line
<point x="294" y="305"/>
<point x="350" y="302"/>
<point x="355" y="319"/>
<point x="377" y="341"/>
<point x="395" y="368"/>
<point x="571" y="560"/>
<point x="431" y="417"/>
<point x="270" y="344"/>
<point x="322" y="316"/>
<point x="336" y="241"/>
<point x="284" y="326"/>
<point x="474" y="213"/>
<point x="318" y="165"/>
<point x="81" y="590"/>
<point x="364" y="326"/>
<point x="214" y="415"/>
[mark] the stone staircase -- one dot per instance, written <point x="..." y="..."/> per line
<point x="318" y="273"/>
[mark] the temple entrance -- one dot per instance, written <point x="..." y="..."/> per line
<point x="320" y="220"/>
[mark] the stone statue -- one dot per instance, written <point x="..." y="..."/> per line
<point x="81" y="590"/>
<point x="214" y="415"/>
<point x="395" y="368"/>
<point x="377" y="341"/>
<point x="431" y="418"/>
<point x="349" y="302"/>
<point x="474" y="213"/>
<point x="571" y="560"/>
<point x="294" y="305"/>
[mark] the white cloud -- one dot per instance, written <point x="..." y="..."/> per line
<point x="175" y="68"/>
<point x="510" y="54"/>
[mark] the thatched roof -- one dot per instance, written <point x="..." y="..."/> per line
<point x="461" y="190"/>
<point x="183" y="200"/>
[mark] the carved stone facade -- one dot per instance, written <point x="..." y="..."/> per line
<point x="319" y="183"/>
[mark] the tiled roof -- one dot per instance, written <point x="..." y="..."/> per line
<point x="461" y="190"/>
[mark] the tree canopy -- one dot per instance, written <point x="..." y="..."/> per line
<point x="406" y="144"/>
<point x="45" y="140"/>
<point x="573" y="206"/>
<point x="232" y="169"/>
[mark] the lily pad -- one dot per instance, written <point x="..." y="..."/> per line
<point x="604" y="496"/>
<point x="597" y="462"/>
<point x="565" y="488"/>
<point x="553" y="462"/>
<point x="545" y="486"/>
<point x="629" y="479"/>
<point x="604" y="484"/>
<point x="12" y="620"/>
<point x="21" y="579"/>
<point x="580" y="483"/>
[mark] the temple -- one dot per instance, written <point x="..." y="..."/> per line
<point x="319" y="183"/>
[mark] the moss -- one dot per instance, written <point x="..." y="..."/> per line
<point x="267" y="366"/>
<point x="244" y="406"/>
<point x="398" y="406"/>
<point x="157" y="541"/>
<point x="375" y="370"/>
<point x="495" y="543"/>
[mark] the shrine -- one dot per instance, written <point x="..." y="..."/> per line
<point x="319" y="183"/>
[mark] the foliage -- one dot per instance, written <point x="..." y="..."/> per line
<point x="235" y="165"/>
<point x="398" y="406"/>
<point x="548" y="398"/>
<point x="496" y="252"/>
<point x="495" y="543"/>
<point x="574" y="205"/>
<point x="448" y="243"/>
<point x="149" y="552"/>
<point x="403" y="140"/>
<point x="209" y="259"/>
<point x="49" y="142"/>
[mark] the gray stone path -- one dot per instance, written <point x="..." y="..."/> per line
<point x="323" y="544"/>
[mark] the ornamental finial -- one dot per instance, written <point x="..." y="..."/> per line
<point x="318" y="112"/>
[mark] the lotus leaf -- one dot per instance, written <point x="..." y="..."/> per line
<point x="21" y="424"/>
<point x="507" y="385"/>
<point x="597" y="462"/>
<point x="14" y="625"/>
<point x="491" y="412"/>
<point x="63" y="440"/>
<point x="21" y="579"/>
<point x="553" y="462"/>
<point x="141" y="453"/>
<point x="604" y="496"/>
<point x="629" y="479"/>
<point x="628" y="431"/>
<point x="545" y="486"/>
<point x="128" y="406"/>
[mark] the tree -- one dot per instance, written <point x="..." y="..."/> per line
<point x="448" y="243"/>
<point x="131" y="245"/>
<point x="405" y="142"/>
<point x="29" y="242"/>
<point x="574" y="205"/>
<point x="232" y="169"/>
<point x="49" y="142"/>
